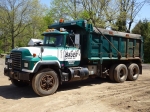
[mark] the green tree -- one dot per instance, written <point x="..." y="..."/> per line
<point x="143" y="28"/>
<point x="16" y="18"/>
<point x="116" y="14"/>
<point x="128" y="10"/>
<point x="58" y="10"/>
<point x="77" y="9"/>
<point x="96" y="11"/>
<point x="38" y="25"/>
<point x="48" y="19"/>
<point x="20" y="19"/>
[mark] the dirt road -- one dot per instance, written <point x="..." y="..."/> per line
<point x="94" y="95"/>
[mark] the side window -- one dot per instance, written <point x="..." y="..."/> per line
<point x="52" y="40"/>
<point x="70" y="41"/>
<point x="59" y="40"/>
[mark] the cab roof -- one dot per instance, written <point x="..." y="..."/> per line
<point x="54" y="31"/>
<point x="78" y="23"/>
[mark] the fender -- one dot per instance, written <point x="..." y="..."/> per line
<point x="41" y="63"/>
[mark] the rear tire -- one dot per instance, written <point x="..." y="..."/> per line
<point x="111" y="72"/>
<point x="45" y="82"/>
<point x="120" y="73"/>
<point x="133" y="72"/>
<point x="19" y="83"/>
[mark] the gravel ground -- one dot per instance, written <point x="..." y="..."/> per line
<point x="94" y="95"/>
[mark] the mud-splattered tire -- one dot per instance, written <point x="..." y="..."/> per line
<point x="19" y="83"/>
<point x="45" y="82"/>
<point x="120" y="73"/>
<point x="133" y="72"/>
<point x="111" y="72"/>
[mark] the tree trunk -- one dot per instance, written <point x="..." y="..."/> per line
<point x="130" y="23"/>
<point x="12" y="42"/>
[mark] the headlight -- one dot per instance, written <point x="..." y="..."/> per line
<point x="9" y="61"/>
<point x="26" y="65"/>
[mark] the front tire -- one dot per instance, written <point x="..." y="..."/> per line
<point x="45" y="82"/>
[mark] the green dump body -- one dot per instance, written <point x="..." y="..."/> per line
<point x="128" y="46"/>
<point x="110" y="45"/>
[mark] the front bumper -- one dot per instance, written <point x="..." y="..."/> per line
<point x="18" y="75"/>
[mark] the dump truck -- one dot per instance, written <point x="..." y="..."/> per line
<point x="75" y="50"/>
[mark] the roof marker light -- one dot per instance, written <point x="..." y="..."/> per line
<point x="62" y="29"/>
<point x="61" y="20"/>
<point x="50" y="30"/>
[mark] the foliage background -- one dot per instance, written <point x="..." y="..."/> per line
<point x="21" y="20"/>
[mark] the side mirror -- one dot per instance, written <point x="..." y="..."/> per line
<point x="77" y="40"/>
<point x="42" y="49"/>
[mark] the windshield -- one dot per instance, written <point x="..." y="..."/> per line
<point x="53" y="40"/>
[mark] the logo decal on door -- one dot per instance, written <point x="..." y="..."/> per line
<point x="71" y="55"/>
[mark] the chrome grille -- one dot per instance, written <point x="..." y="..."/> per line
<point x="16" y="60"/>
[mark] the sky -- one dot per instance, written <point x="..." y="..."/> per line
<point x="143" y="14"/>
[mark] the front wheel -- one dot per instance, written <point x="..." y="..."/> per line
<point x="45" y="82"/>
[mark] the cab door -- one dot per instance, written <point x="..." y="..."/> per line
<point x="72" y="52"/>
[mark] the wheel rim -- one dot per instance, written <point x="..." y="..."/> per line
<point x="47" y="82"/>
<point x="122" y="73"/>
<point x="135" y="72"/>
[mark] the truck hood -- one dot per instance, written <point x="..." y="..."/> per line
<point x="28" y="51"/>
